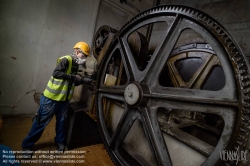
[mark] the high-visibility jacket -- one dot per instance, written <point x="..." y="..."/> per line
<point x="59" y="89"/>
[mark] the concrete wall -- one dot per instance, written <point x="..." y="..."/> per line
<point x="33" y="34"/>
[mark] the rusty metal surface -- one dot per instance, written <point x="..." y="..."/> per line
<point x="186" y="102"/>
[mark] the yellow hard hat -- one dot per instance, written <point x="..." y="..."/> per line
<point x="83" y="46"/>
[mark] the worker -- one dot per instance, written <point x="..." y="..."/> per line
<point x="56" y="97"/>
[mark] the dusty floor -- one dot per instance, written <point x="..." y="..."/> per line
<point x="15" y="129"/>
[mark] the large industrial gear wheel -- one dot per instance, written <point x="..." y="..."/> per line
<point x="100" y="38"/>
<point x="183" y="100"/>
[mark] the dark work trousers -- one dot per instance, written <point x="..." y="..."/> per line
<point x="48" y="108"/>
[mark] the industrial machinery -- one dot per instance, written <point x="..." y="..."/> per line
<point x="172" y="89"/>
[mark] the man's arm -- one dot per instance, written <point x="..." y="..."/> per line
<point x="60" y="73"/>
<point x="61" y="69"/>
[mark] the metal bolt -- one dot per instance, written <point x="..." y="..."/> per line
<point x="130" y="94"/>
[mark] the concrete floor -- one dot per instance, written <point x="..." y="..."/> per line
<point x="15" y="129"/>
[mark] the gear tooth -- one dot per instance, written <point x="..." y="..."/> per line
<point x="214" y="25"/>
<point x="233" y="49"/>
<point x="246" y="106"/>
<point x="241" y="71"/>
<point x="240" y="136"/>
<point x="245" y="123"/>
<point x="244" y="134"/>
<point x="217" y="28"/>
<point x="240" y="65"/>
<point x="221" y="32"/>
<point x="246" y="111"/>
<point x="245" y="119"/>
<point x="238" y="59"/>
<point x="245" y="78"/>
<point x="245" y="91"/>
<point x="229" y="43"/>
<point x="204" y="18"/>
<point x="196" y="14"/>
<point x="200" y="16"/>
<point x="179" y="8"/>
<point x="245" y="85"/>
<point x="224" y="37"/>
<point x="211" y="24"/>
<point x="238" y="142"/>
<point x="208" y="21"/>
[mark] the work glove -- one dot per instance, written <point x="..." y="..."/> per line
<point x="77" y="80"/>
<point x="86" y="80"/>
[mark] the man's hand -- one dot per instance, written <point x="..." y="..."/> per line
<point x="86" y="80"/>
<point x="78" y="80"/>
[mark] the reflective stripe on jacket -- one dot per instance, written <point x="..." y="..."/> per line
<point x="58" y="89"/>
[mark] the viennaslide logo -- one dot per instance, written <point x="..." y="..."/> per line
<point x="233" y="155"/>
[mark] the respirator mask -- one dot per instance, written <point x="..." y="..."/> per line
<point x="78" y="60"/>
